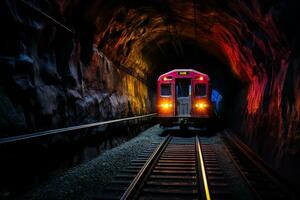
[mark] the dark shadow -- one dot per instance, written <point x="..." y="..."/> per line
<point x="45" y="157"/>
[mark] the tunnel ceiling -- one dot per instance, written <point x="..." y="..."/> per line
<point x="245" y="36"/>
<point x="236" y="32"/>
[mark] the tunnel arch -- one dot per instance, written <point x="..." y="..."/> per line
<point x="105" y="65"/>
<point x="256" y="50"/>
<point x="166" y="53"/>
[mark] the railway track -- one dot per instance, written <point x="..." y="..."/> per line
<point x="262" y="180"/>
<point x="188" y="168"/>
<point x="215" y="176"/>
<point x="178" y="168"/>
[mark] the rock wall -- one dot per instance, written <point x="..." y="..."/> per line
<point x="51" y="77"/>
<point x="44" y="83"/>
<point x="271" y="112"/>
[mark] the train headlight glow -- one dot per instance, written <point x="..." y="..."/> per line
<point x="166" y="105"/>
<point x="201" y="106"/>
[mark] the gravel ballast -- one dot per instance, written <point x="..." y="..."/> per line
<point x="85" y="180"/>
<point x="236" y="184"/>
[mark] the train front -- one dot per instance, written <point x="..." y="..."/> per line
<point x="184" y="98"/>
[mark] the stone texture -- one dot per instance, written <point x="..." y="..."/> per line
<point x="46" y="85"/>
<point x="257" y="40"/>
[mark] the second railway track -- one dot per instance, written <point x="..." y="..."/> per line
<point x="264" y="182"/>
<point x="179" y="168"/>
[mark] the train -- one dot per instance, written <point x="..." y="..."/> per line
<point x="184" y="99"/>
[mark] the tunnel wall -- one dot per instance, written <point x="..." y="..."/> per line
<point x="262" y="47"/>
<point x="267" y="112"/>
<point x="258" y="40"/>
<point x="271" y="117"/>
<point x="45" y="84"/>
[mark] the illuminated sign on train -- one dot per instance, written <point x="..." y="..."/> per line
<point x="183" y="73"/>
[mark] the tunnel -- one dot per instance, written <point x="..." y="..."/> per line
<point x="68" y="63"/>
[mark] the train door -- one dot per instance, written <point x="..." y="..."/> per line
<point x="183" y="89"/>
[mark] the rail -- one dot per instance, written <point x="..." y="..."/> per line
<point x="129" y="193"/>
<point x="256" y="172"/>
<point x="166" y="151"/>
<point x="204" y="189"/>
<point x="67" y="129"/>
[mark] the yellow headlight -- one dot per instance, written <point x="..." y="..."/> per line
<point x="166" y="105"/>
<point x="201" y="106"/>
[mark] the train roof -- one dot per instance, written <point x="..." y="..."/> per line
<point x="178" y="70"/>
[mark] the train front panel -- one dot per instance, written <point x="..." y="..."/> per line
<point x="183" y="98"/>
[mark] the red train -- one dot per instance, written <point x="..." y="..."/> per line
<point x="184" y="98"/>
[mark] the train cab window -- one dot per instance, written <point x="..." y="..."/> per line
<point x="165" y="89"/>
<point x="183" y="88"/>
<point x="200" y="89"/>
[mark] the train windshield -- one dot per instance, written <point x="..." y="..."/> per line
<point x="200" y="89"/>
<point x="183" y="87"/>
<point x="165" y="89"/>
